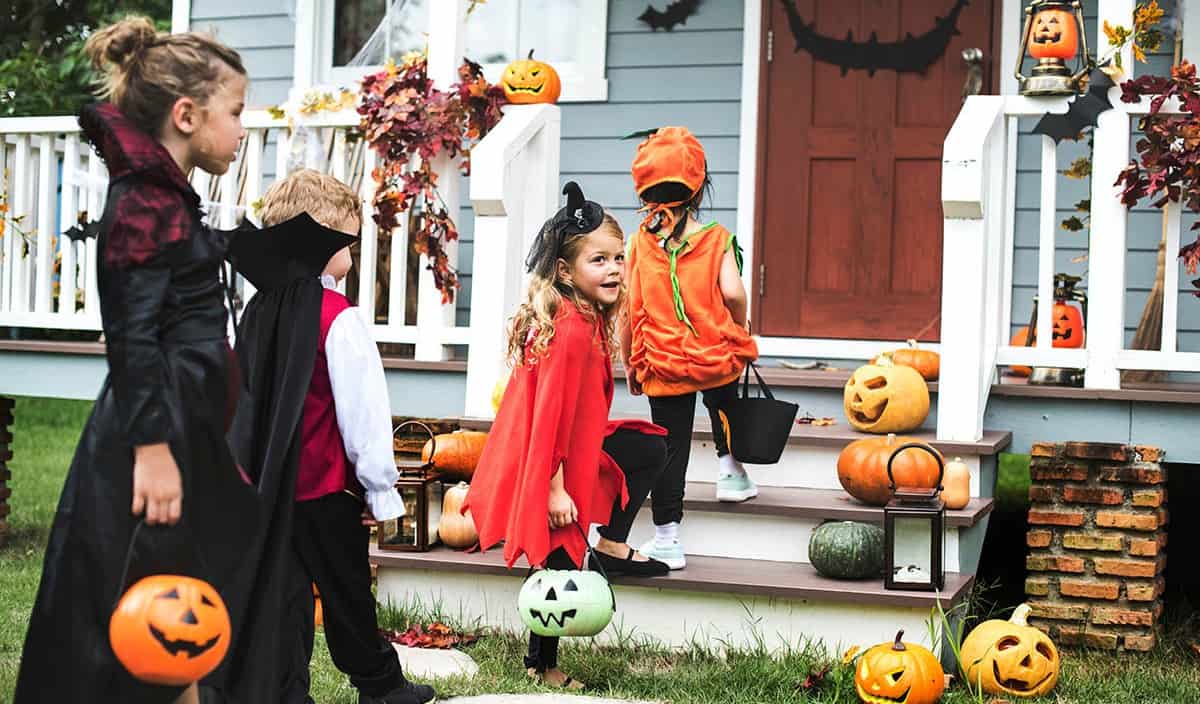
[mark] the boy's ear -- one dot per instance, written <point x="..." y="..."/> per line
<point x="185" y="115"/>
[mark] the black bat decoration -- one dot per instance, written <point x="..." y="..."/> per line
<point x="641" y="134"/>
<point x="677" y="12"/>
<point x="911" y="54"/>
<point x="1082" y="112"/>
<point x="81" y="231"/>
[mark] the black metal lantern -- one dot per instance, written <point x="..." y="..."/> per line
<point x="914" y="531"/>
<point x="421" y="490"/>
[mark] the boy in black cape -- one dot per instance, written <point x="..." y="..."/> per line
<point x="314" y="433"/>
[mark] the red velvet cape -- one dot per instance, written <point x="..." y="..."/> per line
<point x="555" y="410"/>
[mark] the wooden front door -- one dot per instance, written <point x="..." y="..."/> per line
<point x="849" y="236"/>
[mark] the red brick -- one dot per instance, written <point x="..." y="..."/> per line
<point x="1089" y="588"/>
<point x="1058" y="471"/>
<point x="1148" y="473"/>
<point x="1147" y="547"/>
<point x="1122" y="617"/>
<point x="1111" y="451"/>
<point x="1043" y="449"/>
<point x="1038" y="538"/>
<point x="1145" y="591"/>
<point x="1042" y="494"/>
<point x="1107" y="542"/>
<point x="1054" y="563"/>
<point x="1058" y="612"/>
<point x="1126" y="519"/>
<point x="1148" y="453"/>
<point x="1037" y="586"/>
<point x="1128" y="568"/>
<point x="1093" y="495"/>
<point x="1057" y="518"/>
<point x="1152" y="498"/>
<point x="1070" y="635"/>
<point x="1140" y="642"/>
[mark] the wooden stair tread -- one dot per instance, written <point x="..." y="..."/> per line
<point x="791" y="580"/>
<point x="799" y="502"/>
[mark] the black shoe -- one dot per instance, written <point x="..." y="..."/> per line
<point x="628" y="566"/>
<point x="407" y="693"/>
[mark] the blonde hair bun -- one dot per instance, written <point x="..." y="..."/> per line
<point x="120" y="43"/>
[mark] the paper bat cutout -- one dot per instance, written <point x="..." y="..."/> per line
<point x="83" y="229"/>
<point x="1082" y="112"/>
<point x="676" y="13"/>
<point x="911" y="54"/>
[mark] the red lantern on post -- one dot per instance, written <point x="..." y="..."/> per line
<point x="1053" y="34"/>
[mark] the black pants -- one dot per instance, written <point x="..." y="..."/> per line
<point x="641" y="457"/>
<point x="678" y="415"/>
<point x="330" y="546"/>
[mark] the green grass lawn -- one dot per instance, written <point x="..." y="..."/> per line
<point x="45" y="435"/>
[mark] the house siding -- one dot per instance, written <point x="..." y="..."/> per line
<point x="263" y="32"/>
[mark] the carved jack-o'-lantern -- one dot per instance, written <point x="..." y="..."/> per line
<point x="1068" y="325"/>
<point x="899" y="673"/>
<point x="169" y="629"/>
<point x="1010" y="658"/>
<point x="1054" y="35"/>
<point x="566" y="603"/>
<point x="886" y="398"/>
<point x="528" y="81"/>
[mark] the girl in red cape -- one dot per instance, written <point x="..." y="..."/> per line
<point x="553" y="458"/>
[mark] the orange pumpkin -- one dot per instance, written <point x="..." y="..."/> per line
<point x="862" y="468"/>
<point x="318" y="612"/>
<point x="886" y="398"/>
<point x="1021" y="339"/>
<point x="1053" y="35"/>
<point x="956" y="484"/>
<point x="1010" y="658"/>
<point x="529" y="81"/>
<point x="456" y="453"/>
<point x="927" y="362"/>
<point x="1068" y="325"/>
<point x="170" y="630"/>
<point x="457" y="530"/>
<point x="899" y="673"/>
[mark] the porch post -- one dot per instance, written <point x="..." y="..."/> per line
<point x="446" y="46"/>
<point x="1106" y="250"/>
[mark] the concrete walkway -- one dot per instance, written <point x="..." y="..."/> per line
<point x="535" y="699"/>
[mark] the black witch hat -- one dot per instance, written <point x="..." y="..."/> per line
<point x="272" y="257"/>
<point x="578" y="217"/>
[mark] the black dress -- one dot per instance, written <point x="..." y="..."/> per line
<point x="171" y="379"/>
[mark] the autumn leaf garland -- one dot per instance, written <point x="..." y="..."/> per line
<point x="409" y="123"/>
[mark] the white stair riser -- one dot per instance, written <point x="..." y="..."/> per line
<point x="809" y="466"/>
<point x="670" y="617"/>
<point x="749" y="536"/>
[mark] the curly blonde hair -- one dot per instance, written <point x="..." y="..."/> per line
<point x="328" y="200"/>
<point x="532" y="328"/>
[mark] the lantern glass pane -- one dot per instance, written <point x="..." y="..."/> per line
<point x="408" y="522"/>
<point x="913" y="548"/>
<point x="435" y="509"/>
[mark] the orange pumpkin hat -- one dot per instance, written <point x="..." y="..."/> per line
<point x="670" y="155"/>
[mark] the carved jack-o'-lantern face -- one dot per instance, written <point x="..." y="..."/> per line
<point x="529" y="81"/>
<point x="880" y="398"/>
<point x="170" y="630"/>
<point x="565" y="603"/>
<point x="1068" y="325"/>
<point x="1010" y="657"/>
<point x="899" y="673"/>
<point x="1054" y="35"/>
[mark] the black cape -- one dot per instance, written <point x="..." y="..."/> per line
<point x="276" y="348"/>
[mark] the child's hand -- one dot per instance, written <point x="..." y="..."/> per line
<point x="635" y="386"/>
<point x="561" y="508"/>
<point x="157" y="486"/>
<point x="368" y="518"/>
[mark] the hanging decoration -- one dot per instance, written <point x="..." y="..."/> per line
<point x="409" y="122"/>
<point x="677" y="12"/>
<point x="909" y="55"/>
<point x="1082" y="113"/>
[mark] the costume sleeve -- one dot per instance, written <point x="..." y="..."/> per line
<point x="134" y="295"/>
<point x="364" y="414"/>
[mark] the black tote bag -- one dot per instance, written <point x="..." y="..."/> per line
<point x="757" y="427"/>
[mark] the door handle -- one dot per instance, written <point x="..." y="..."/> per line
<point x="973" y="58"/>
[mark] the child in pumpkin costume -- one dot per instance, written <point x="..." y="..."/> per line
<point x="686" y="330"/>
<point x="553" y="458"/>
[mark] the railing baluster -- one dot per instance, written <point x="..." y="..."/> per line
<point x="398" y="275"/>
<point x="95" y="209"/>
<point x="367" y="250"/>
<point x="1170" y="311"/>
<point x="283" y="143"/>
<point x="47" y="194"/>
<point x="1046" y="232"/>
<point x="22" y="207"/>
<point x="67" y="217"/>
<point x="255" y="139"/>
<point x="9" y="234"/>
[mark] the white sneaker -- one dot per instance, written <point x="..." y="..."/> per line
<point x="735" y="488"/>
<point x="672" y="555"/>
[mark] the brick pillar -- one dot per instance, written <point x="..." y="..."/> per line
<point x="6" y="419"/>
<point x="1097" y="543"/>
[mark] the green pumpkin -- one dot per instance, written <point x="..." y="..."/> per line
<point x="846" y="550"/>
<point x="566" y="603"/>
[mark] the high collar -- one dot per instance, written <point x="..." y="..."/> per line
<point x="126" y="149"/>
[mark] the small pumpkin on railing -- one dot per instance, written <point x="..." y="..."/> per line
<point x="527" y="81"/>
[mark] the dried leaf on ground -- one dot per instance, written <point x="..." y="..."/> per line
<point x="436" y="635"/>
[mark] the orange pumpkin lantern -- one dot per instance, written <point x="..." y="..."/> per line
<point x="899" y="673"/>
<point x="529" y="81"/>
<point x="1054" y="34"/>
<point x="1068" y="325"/>
<point x="170" y="630"/>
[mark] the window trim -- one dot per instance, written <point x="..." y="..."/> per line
<point x="583" y="81"/>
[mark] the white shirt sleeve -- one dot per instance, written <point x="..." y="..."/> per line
<point x="364" y="414"/>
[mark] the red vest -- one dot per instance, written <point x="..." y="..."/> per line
<point x="324" y="467"/>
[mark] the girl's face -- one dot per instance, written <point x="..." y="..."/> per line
<point x="598" y="270"/>
<point x="214" y="143"/>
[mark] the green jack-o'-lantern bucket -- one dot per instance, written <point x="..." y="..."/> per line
<point x="560" y="603"/>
